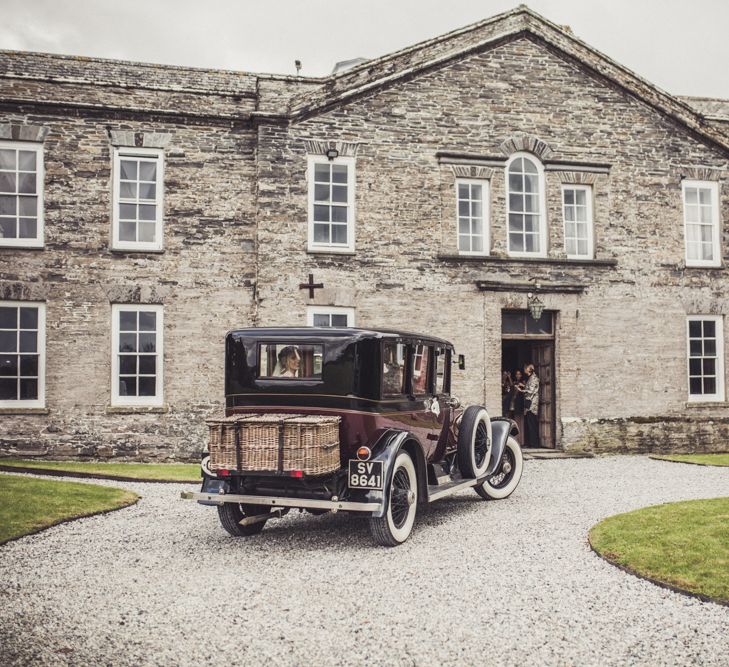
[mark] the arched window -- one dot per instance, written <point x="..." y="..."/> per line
<point x="525" y="206"/>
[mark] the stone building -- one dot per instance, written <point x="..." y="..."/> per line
<point x="445" y="188"/>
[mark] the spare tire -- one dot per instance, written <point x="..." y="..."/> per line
<point x="474" y="442"/>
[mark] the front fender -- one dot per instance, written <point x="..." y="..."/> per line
<point x="501" y="429"/>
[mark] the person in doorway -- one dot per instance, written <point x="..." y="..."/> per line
<point x="507" y="390"/>
<point x="516" y="408"/>
<point x="531" y="407"/>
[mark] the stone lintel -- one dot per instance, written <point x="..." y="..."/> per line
<point x="130" y="139"/>
<point x="320" y="147"/>
<point x="23" y="132"/>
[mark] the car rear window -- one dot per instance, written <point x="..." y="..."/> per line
<point x="290" y="361"/>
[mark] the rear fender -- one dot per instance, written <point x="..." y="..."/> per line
<point x="501" y="429"/>
<point x="385" y="448"/>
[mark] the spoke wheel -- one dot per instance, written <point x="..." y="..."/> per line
<point x="506" y="477"/>
<point x="397" y="524"/>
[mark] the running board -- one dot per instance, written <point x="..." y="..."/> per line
<point x="440" y="491"/>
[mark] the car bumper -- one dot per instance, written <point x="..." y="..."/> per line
<point x="274" y="501"/>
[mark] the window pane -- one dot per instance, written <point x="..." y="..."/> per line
<point x="321" y="192"/>
<point x="463" y="208"/>
<point x="8" y="317"/>
<point x="691" y="196"/>
<point x="127" y="211"/>
<point x="709" y="329"/>
<point x="8" y="205"/>
<point x="516" y="202"/>
<point x="464" y="226"/>
<point x="694" y="366"/>
<point x="339" y="173"/>
<point x="8" y="389"/>
<point x="27" y="228"/>
<point x="321" y="173"/>
<point x="516" y="243"/>
<point x="26" y="160"/>
<point x="128" y="170"/>
<point x="127" y="231"/>
<point x="147" y="386"/>
<point x="710" y="385"/>
<point x="8" y="228"/>
<point x="464" y="243"/>
<point x="695" y="329"/>
<point x="28" y="341"/>
<point x="321" y="320"/>
<point x="147" y="321"/>
<point x="531" y="203"/>
<point x="541" y="326"/>
<point x="147" y="211"/>
<point x="26" y="183"/>
<point x="476" y="209"/>
<point x="128" y="320"/>
<point x="127" y="342"/>
<point x="127" y="364"/>
<point x="581" y="197"/>
<point x="531" y="184"/>
<point x="321" y="213"/>
<point x="9" y="364"/>
<point x="582" y="247"/>
<point x="531" y="243"/>
<point x="147" y="232"/>
<point x="512" y="323"/>
<point x="28" y="389"/>
<point x="127" y="190"/>
<point x="339" y="233"/>
<point x="147" y="364"/>
<point x="709" y="347"/>
<point x="7" y="182"/>
<point x="571" y="246"/>
<point x="393" y="372"/>
<point x="339" y="320"/>
<point x="477" y="244"/>
<point x="695" y="348"/>
<point x="28" y="318"/>
<point x="569" y="196"/>
<point x="463" y="191"/>
<point x="705" y="196"/>
<point x="8" y="341"/>
<point x="531" y="223"/>
<point x="339" y="214"/>
<point x="28" y="206"/>
<point x="321" y="233"/>
<point x="339" y="193"/>
<point x="148" y="171"/>
<point x="29" y="365"/>
<point x="7" y="158"/>
<point x="705" y="215"/>
<point x="147" y="342"/>
<point x="529" y="166"/>
<point x="709" y="366"/>
<point x="516" y="182"/>
<point x="127" y="386"/>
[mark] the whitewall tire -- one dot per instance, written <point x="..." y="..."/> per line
<point x="397" y="524"/>
<point x="506" y="477"/>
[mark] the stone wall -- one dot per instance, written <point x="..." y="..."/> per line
<point x="236" y="234"/>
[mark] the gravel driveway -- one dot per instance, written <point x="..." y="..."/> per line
<point x="506" y="582"/>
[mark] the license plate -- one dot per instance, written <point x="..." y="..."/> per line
<point x="365" y="475"/>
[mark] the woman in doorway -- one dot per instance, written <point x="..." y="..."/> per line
<point x="507" y="389"/>
<point x="516" y="409"/>
<point x="531" y="407"/>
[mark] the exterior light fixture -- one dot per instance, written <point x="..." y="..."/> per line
<point x="332" y="153"/>
<point x="535" y="305"/>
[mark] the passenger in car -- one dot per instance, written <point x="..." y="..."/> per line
<point x="289" y="362"/>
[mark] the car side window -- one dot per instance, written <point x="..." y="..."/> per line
<point x="393" y="369"/>
<point x="421" y="362"/>
<point x="440" y="372"/>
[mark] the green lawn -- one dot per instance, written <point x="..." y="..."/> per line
<point x="699" y="459"/>
<point x="27" y="505"/>
<point x="685" y="545"/>
<point x="173" y="472"/>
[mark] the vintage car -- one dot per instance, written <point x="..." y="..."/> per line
<point x="340" y="419"/>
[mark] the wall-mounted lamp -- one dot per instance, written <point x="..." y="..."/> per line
<point x="332" y="153"/>
<point x="535" y="305"/>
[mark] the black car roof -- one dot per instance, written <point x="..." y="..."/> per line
<point x="332" y="332"/>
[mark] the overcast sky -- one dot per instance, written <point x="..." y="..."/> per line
<point x="681" y="46"/>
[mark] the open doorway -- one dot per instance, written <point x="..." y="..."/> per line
<point x="528" y="341"/>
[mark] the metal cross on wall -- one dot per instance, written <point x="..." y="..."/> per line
<point x="311" y="285"/>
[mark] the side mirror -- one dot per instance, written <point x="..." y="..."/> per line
<point x="461" y="362"/>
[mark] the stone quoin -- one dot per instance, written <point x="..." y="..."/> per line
<point x="146" y="210"/>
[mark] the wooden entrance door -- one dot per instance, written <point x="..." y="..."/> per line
<point x="544" y="367"/>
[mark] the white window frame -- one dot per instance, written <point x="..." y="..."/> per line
<point x="150" y="401"/>
<point x="329" y="310"/>
<point x="39" y="402"/>
<point x="38" y="241"/>
<point x="588" y="200"/>
<point x="542" y="206"/>
<point x="485" y="217"/>
<point x="713" y="186"/>
<point x="312" y="161"/>
<point x="140" y="246"/>
<point x="719" y="395"/>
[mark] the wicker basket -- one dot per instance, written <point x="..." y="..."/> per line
<point x="275" y="443"/>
